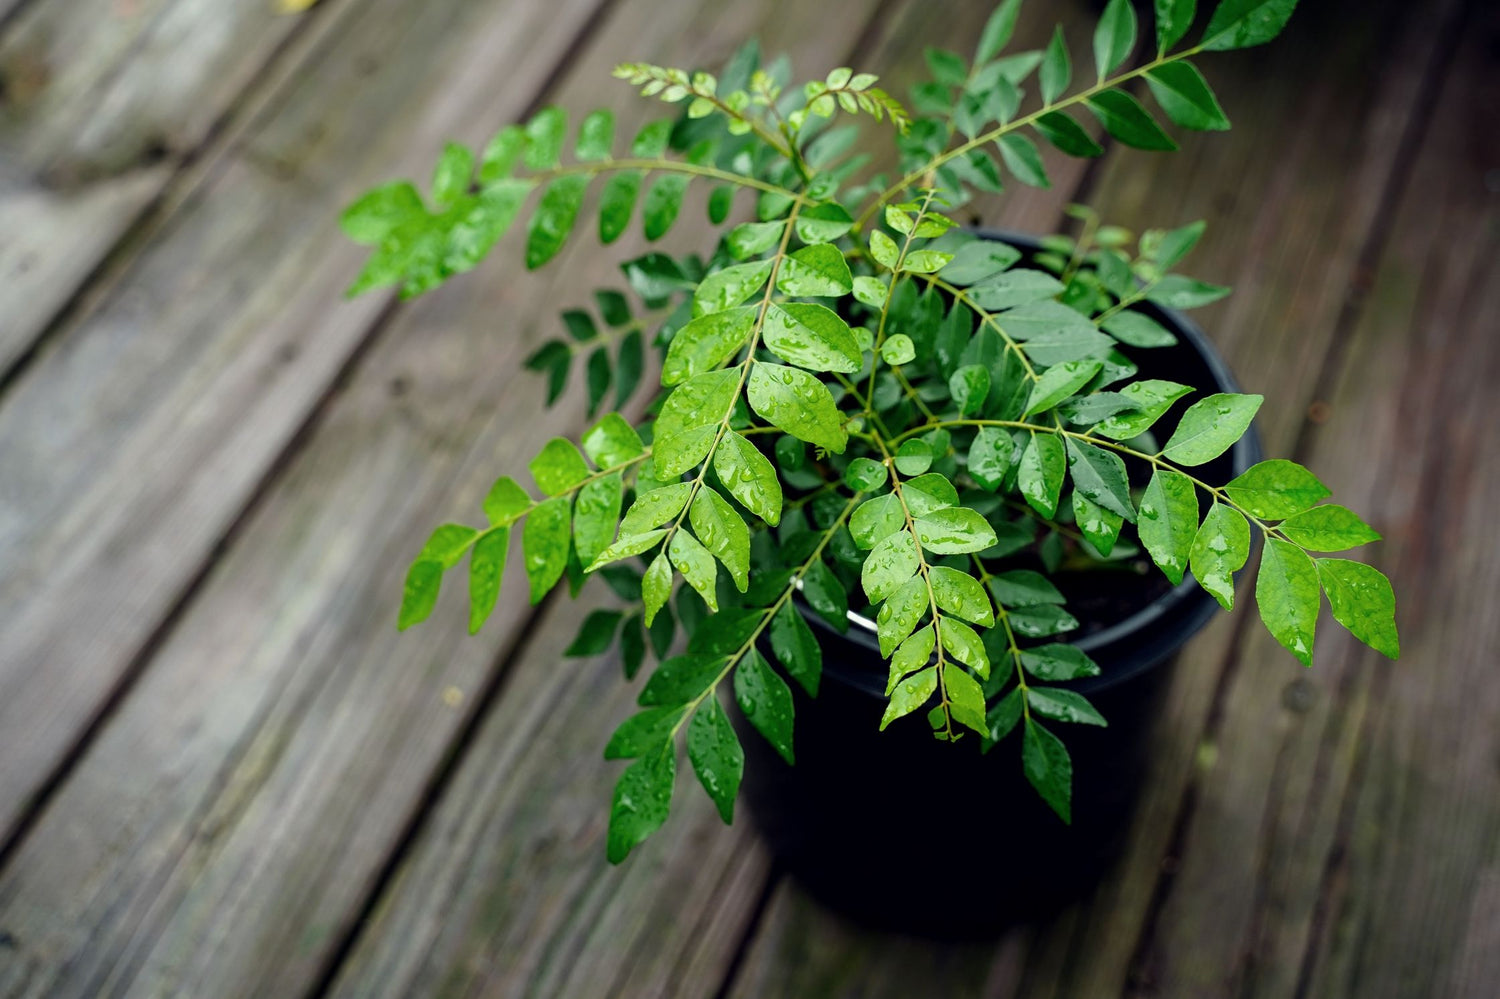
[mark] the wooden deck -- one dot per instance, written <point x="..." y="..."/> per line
<point x="223" y="773"/>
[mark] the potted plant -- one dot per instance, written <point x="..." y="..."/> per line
<point x="904" y="478"/>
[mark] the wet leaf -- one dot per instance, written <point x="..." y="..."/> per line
<point x="798" y="403"/>
<point x="714" y="750"/>
<point x="766" y="702"/>
<point x="909" y="695"/>
<point x="1362" y="601"/>
<point x="1211" y="426"/>
<point x="1219" y="551"/>
<point x="1276" y="489"/>
<point x="643" y="798"/>
<point x="1286" y="591"/>
<point x="1169" y="521"/>
<point x="1328" y="528"/>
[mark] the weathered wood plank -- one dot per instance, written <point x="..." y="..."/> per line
<point x="462" y="915"/>
<point x="104" y="101"/>
<point x="272" y="754"/>
<point x="130" y="448"/>
<point x="1374" y="784"/>
<point x="1288" y="220"/>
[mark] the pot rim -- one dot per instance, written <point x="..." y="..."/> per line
<point x="1245" y="452"/>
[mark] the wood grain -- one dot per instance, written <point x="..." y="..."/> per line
<point x="201" y="366"/>
<point x="280" y="740"/>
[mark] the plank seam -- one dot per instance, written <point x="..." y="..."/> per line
<point x="175" y="191"/>
<point x="1381" y="228"/>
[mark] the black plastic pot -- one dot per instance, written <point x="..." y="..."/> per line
<point x="899" y="831"/>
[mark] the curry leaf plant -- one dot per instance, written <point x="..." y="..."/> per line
<point x="863" y="407"/>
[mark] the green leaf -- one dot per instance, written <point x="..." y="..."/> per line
<point x="818" y="270"/>
<point x="1042" y="620"/>
<point x="875" y="519"/>
<point x="696" y="565"/>
<point x="766" y="701"/>
<point x="681" y="679"/>
<point x="913" y="458"/>
<point x="749" y="476"/>
<point x="965" y="698"/>
<point x="419" y="595"/>
<point x="954" y="531"/>
<point x="1059" y="382"/>
<point x="900" y="614"/>
<point x="1057" y="662"/>
<point x="544" y="138"/>
<point x="1185" y="96"/>
<point x="890" y="563"/>
<point x="1049" y="768"/>
<point x="990" y="457"/>
<point x="964" y="644"/>
<point x="598" y="378"/>
<point x="1219" y="551"/>
<point x="753" y="238"/>
<point x="947" y="67"/>
<point x="1239" y="24"/>
<point x="1066" y="134"/>
<point x="1100" y="476"/>
<point x="595" y="514"/>
<point x="898" y="349"/>
<point x="655" y="507"/>
<point x="706" y="343"/>
<point x="1014" y="287"/>
<point x="811" y="336"/>
<point x="715" y="753"/>
<point x="656" y="585"/>
<point x="501" y="154"/>
<point x="1063" y="705"/>
<point x="1173" y="19"/>
<point x="909" y="695"/>
<point x="1275" y="489"/>
<point x="1169" y="247"/>
<point x="825" y="594"/>
<point x="796" y="648"/>
<point x="380" y="211"/>
<point x="643" y="798"/>
<point x="630" y="363"/>
<point x="1169" y="521"/>
<point x="1040" y="474"/>
<point x="869" y="291"/>
<point x="1123" y="117"/>
<point x="1114" y="36"/>
<point x="798" y="403"/>
<point x="865" y="475"/>
<point x="617" y="203"/>
<point x="884" y="250"/>
<point x="1023" y="159"/>
<point x="1003" y="716"/>
<point x="976" y="261"/>
<point x="1286" y="591"/>
<point x="1330" y="528"/>
<point x="1362" y="601"/>
<point x="1024" y="588"/>
<point x="997" y="31"/>
<point x="1100" y="526"/>
<point x="970" y="388"/>
<point x="1137" y="330"/>
<point x="643" y="732"/>
<point x="686" y="425"/>
<point x="925" y="261"/>
<point x="663" y="204"/>
<point x="632" y="646"/>
<point x="914" y="653"/>
<point x="723" y="532"/>
<point x="545" y="541"/>
<point x="612" y="442"/>
<point x="595" y="136"/>
<point x="626" y="546"/>
<point x="1210" y="427"/>
<point x="823" y="223"/>
<point x="927" y="493"/>
<point x="594" y="636"/>
<point x="724" y="289"/>
<point x="554" y="218"/>
<point x="1178" y="292"/>
<point x="447" y="544"/>
<point x="960" y="594"/>
<point x="720" y="201"/>
<point x="1056" y="69"/>
<point x="1153" y="398"/>
<point x="486" y="567"/>
<point x="558" y="467"/>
